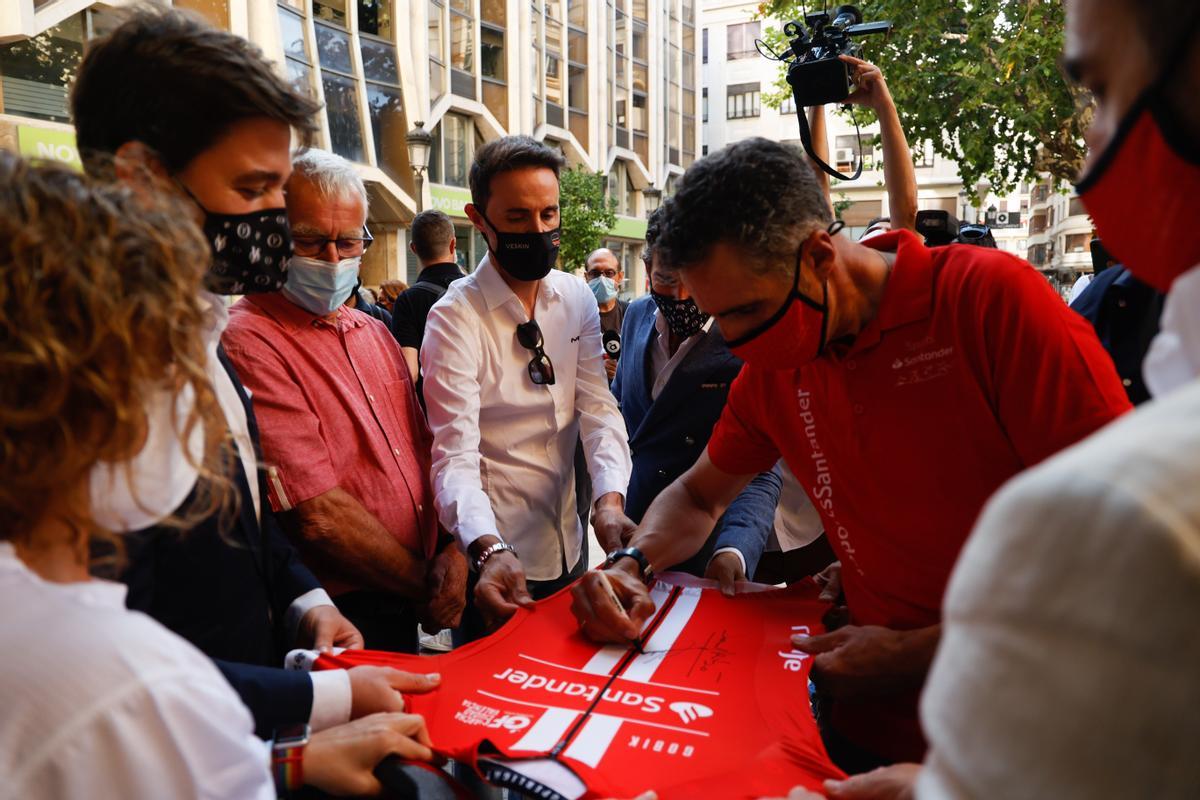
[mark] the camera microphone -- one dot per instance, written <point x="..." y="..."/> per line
<point x="612" y="344"/>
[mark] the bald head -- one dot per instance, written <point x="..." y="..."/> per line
<point x="602" y="259"/>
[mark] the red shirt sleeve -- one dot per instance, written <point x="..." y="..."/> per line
<point x="739" y="444"/>
<point x="293" y="451"/>
<point x="1050" y="380"/>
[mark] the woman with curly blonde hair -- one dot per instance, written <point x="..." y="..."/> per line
<point x="102" y="361"/>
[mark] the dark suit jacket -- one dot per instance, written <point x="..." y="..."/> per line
<point x="227" y="592"/>
<point x="667" y="435"/>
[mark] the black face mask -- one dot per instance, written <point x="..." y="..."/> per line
<point x="684" y="317"/>
<point x="250" y="251"/>
<point x="525" y="256"/>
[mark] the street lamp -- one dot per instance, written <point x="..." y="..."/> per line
<point x="419" y="142"/>
<point x="653" y="198"/>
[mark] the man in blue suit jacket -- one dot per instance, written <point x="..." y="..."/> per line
<point x="672" y="380"/>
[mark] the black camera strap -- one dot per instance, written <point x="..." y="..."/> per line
<point x="806" y="140"/>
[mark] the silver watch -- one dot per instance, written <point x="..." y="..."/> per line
<point x="490" y="551"/>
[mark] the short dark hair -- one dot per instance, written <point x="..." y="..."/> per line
<point x="432" y="233"/>
<point x="170" y="80"/>
<point x="654" y="229"/>
<point x="504" y="155"/>
<point x="757" y="194"/>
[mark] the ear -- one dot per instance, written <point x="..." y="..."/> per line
<point x="453" y="245"/>
<point x="477" y="220"/>
<point x="823" y="252"/>
<point x="413" y="248"/>
<point x="138" y="165"/>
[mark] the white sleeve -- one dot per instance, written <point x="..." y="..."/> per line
<point x="1068" y="660"/>
<point x="450" y="363"/>
<point x="601" y="426"/>
<point x="180" y="734"/>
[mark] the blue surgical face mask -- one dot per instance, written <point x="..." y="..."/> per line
<point x="320" y="286"/>
<point x="604" y="288"/>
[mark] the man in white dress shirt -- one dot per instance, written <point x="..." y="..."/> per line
<point x="1069" y="657"/>
<point x="513" y="375"/>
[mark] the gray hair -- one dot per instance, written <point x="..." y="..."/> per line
<point x="331" y="175"/>
<point x="759" y="195"/>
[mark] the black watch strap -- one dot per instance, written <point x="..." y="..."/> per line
<point x="647" y="572"/>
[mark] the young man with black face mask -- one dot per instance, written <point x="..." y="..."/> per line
<point x="514" y="375"/>
<point x="167" y="103"/>
<point x="901" y="384"/>
<point x="671" y="383"/>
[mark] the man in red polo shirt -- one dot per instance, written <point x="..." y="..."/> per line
<point x="902" y="385"/>
<point x="345" y="442"/>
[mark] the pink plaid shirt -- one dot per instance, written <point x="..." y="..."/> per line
<point x="336" y="408"/>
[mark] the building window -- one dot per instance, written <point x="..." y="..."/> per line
<point x="1077" y="242"/>
<point x="437" y="51"/>
<point x="385" y="106"/>
<point x="338" y="79"/>
<point x="577" y="71"/>
<point x="462" y="36"/>
<point x="375" y="18"/>
<point x="704" y="105"/>
<point x="704" y="46"/>
<point x="35" y="73"/>
<point x="742" y="101"/>
<point x="491" y="53"/>
<point x="740" y="40"/>
<point x="454" y="144"/>
<point x="295" y="50"/>
<point x="621" y="190"/>
<point x="788" y="106"/>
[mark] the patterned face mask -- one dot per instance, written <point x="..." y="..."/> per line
<point x="684" y="317"/>
<point x="250" y="251"/>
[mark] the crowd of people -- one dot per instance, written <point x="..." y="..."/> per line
<point x="195" y="486"/>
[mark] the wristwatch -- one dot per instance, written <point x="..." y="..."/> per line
<point x="647" y="572"/>
<point x="490" y="551"/>
<point x="287" y="758"/>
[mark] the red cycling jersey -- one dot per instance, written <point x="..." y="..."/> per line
<point x="714" y="706"/>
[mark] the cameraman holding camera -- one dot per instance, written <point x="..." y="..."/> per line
<point x="901" y="384"/>
<point x="899" y="177"/>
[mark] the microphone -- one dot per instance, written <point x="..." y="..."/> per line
<point x="612" y="344"/>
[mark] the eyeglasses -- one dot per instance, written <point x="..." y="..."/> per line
<point x="347" y="246"/>
<point x="592" y="274"/>
<point x="541" y="369"/>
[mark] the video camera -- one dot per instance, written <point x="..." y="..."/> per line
<point x="817" y="76"/>
<point x="942" y="228"/>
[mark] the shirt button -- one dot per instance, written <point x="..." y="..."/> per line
<point x="371" y="398"/>
<point x="1127" y="382"/>
<point x="858" y="409"/>
<point x="662" y="473"/>
<point x="420" y="508"/>
<point x="395" y="451"/>
<point x="689" y="440"/>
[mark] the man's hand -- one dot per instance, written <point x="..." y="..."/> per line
<point x="447" y="583"/>
<point x="501" y="589"/>
<point x="886" y="783"/>
<point x="872" y="90"/>
<point x="610" y="367"/>
<point x="830" y="581"/>
<point x="613" y="528"/>
<point x="726" y="569"/>
<point x="601" y="618"/>
<point x="375" y="689"/>
<point x="869" y="660"/>
<point x="341" y="760"/>
<point x="323" y="627"/>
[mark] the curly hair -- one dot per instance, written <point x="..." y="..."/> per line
<point x="98" y="306"/>
<point x="757" y="194"/>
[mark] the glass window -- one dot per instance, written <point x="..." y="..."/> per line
<point x="458" y="148"/>
<point x="577" y="47"/>
<point x="291" y="29"/>
<point x="630" y="195"/>
<point x="300" y="76"/>
<point x="462" y="43"/>
<point x="491" y="53"/>
<point x="704" y="46"/>
<point x="493" y="11"/>
<point x="333" y="49"/>
<point x="577" y="95"/>
<point x="375" y="18"/>
<point x="689" y="70"/>
<point x="641" y="78"/>
<point x="215" y="11"/>
<point x="333" y="11"/>
<point x="35" y="73"/>
<point x="640" y="51"/>
<point x="740" y="40"/>
<point x="436" y="47"/>
<point x="742" y="101"/>
<point x="704" y="104"/>
<point x="641" y="116"/>
<point x="379" y="61"/>
<point x="577" y="13"/>
<point x="389" y="127"/>
<point x="638" y="9"/>
<point x="341" y="106"/>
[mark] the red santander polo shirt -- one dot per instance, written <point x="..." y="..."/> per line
<point x="336" y="407"/>
<point x="972" y="370"/>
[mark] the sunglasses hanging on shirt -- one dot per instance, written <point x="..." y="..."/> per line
<point x="541" y="369"/>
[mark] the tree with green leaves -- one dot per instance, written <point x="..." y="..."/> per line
<point x="587" y="215"/>
<point x="978" y="79"/>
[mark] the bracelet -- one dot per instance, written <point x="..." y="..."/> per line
<point x="287" y="758"/>
<point x="490" y="551"/>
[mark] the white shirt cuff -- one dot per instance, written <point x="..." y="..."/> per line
<point x="733" y="550"/>
<point x="609" y="481"/>
<point x="302" y="605"/>
<point x="332" y="699"/>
